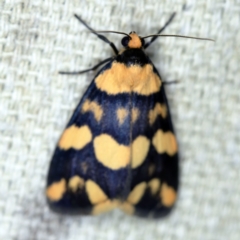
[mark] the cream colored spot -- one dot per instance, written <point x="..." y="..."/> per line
<point x="105" y="207"/>
<point x="136" y="194"/>
<point x="93" y="107"/>
<point x="154" y="185"/>
<point x="75" y="137"/>
<point x="140" y="147"/>
<point x="110" y="153"/>
<point x="165" y="142"/>
<point x="95" y="193"/>
<point x="76" y="183"/>
<point x="168" y="195"/>
<point x="127" y="208"/>
<point x="121" y="115"/>
<point x="135" y="114"/>
<point x="135" y="41"/>
<point x="122" y="79"/>
<point x="159" y="109"/>
<point x="56" y="190"/>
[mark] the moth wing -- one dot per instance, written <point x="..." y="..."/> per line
<point x="81" y="179"/>
<point x="154" y="158"/>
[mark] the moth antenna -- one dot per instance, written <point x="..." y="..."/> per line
<point x="180" y="36"/>
<point x="109" y="31"/>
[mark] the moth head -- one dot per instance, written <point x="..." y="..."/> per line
<point x="132" y="40"/>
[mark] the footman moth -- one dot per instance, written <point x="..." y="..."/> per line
<point x="119" y="148"/>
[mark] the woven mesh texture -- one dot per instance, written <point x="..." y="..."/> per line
<point x="39" y="38"/>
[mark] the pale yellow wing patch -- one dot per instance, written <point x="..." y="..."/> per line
<point x="140" y="148"/>
<point x="128" y="208"/>
<point x="122" y="79"/>
<point x="105" y="207"/>
<point x="95" y="193"/>
<point x="56" y="190"/>
<point x="76" y="183"/>
<point x="75" y="137"/>
<point x="135" y="114"/>
<point x="122" y="113"/>
<point x="165" y="142"/>
<point x="110" y="153"/>
<point x="114" y="155"/>
<point x="99" y="199"/>
<point x="94" y="107"/>
<point x="154" y="185"/>
<point x="133" y="198"/>
<point x="136" y="194"/>
<point x="168" y="195"/>
<point x="159" y="109"/>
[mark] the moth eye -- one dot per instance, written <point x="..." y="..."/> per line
<point x="125" y="41"/>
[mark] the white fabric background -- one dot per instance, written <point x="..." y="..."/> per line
<point x="38" y="38"/>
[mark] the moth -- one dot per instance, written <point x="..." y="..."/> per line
<point x="119" y="149"/>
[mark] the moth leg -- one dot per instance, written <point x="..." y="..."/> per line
<point x="99" y="35"/>
<point x="87" y="70"/>
<point x="161" y="30"/>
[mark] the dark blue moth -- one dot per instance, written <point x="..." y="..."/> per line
<point x="118" y="149"/>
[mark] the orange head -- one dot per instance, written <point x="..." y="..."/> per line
<point x="133" y="41"/>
